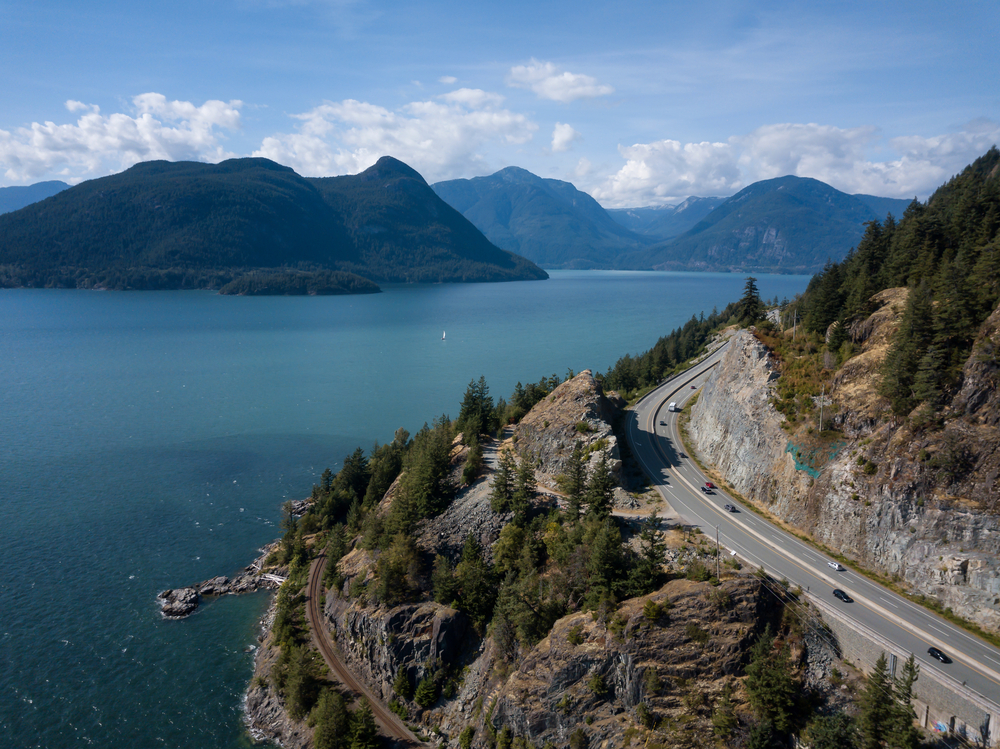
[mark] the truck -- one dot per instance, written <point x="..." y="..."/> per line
<point x="673" y="406"/>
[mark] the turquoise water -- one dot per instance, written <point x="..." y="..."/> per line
<point x="147" y="440"/>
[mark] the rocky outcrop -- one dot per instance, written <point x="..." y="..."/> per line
<point x="919" y="506"/>
<point x="180" y="602"/>
<point x="675" y="665"/>
<point x="377" y="641"/>
<point x="577" y="410"/>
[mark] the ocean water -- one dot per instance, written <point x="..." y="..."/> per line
<point x="148" y="439"/>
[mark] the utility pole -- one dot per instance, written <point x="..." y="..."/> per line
<point x="718" y="554"/>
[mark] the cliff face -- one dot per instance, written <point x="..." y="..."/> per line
<point x="577" y="410"/>
<point x="676" y="665"/>
<point x="926" y="514"/>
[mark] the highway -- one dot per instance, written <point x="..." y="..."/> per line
<point x="658" y="449"/>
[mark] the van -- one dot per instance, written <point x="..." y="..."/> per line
<point x="673" y="406"/>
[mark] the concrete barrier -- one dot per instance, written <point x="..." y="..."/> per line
<point x="942" y="704"/>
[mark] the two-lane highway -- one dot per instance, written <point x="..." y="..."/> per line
<point x="654" y="437"/>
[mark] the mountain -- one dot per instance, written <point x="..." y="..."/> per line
<point x="667" y="221"/>
<point x="187" y="224"/>
<point x="784" y="225"/>
<point x="545" y="220"/>
<point x="13" y="198"/>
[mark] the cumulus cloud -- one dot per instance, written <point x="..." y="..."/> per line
<point x="97" y="144"/>
<point x="549" y="82"/>
<point x="666" y="171"/>
<point x="441" y="139"/>
<point x="563" y="136"/>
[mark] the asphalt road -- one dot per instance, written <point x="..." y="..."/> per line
<point x="659" y="450"/>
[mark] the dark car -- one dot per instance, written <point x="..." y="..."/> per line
<point x="662" y="423"/>
<point x="729" y="508"/>
<point x="838" y="593"/>
<point x="705" y="489"/>
<point x="694" y="387"/>
<point x="935" y="653"/>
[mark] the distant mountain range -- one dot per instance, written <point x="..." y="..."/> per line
<point x="665" y="221"/>
<point x="195" y="225"/>
<point x="546" y="220"/>
<point x="784" y="225"/>
<point x="13" y="198"/>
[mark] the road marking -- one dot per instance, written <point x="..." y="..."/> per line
<point x="888" y="602"/>
<point x="937" y="630"/>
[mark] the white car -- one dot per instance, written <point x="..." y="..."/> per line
<point x="836" y="566"/>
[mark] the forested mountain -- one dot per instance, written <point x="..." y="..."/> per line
<point x="13" y="198"/>
<point x="666" y="221"/>
<point x="947" y="251"/>
<point x="195" y="225"/>
<point x="545" y="220"/>
<point x="784" y="225"/>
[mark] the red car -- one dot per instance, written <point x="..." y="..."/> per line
<point x="709" y="485"/>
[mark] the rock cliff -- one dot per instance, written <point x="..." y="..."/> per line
<point x="577" y="410"/>
<point x="918" y="505"/>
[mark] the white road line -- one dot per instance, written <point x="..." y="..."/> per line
<point x="888" y="602"/>
<point x="938" y="630"/>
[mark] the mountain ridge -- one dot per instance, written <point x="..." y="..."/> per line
<point x="166" y="224"/>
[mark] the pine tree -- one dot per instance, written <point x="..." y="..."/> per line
<point x="832" y="732"/>
<point x="524" y="490"/>
<point x="503" y="482"/>
<point x="331" y="719"/>
<point x="903" y="734"/>
<point x="600" y="489"/>
<point x="750" y="308"/>
<point x="364" y="731"/>
<point x="877" y="706"/>
<point x="574" y="481"/>
<point x="770" y="688"/>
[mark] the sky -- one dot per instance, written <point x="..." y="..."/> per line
<point x="636" y="103"/>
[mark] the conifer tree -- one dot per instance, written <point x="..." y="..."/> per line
<point x="903" y="734"/>
<point x="574" y="481"/>
<point x="600" y="489"/>
<point x="877" y="706"/>
<point x="750" y="308"/>
<point x="364" y="731"/>
<point x="524" y="490"/>
<point x="503" y="482"/>
<point x="771" y="690"/>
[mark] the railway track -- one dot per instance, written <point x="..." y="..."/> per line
<point x="387" y="720"/>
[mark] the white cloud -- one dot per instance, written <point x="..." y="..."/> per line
<point x="97" y="144"/>
<point x="447" y="79"/>
<point x="563" y="136"/>
<point x="583" y="168"/>
<point x="666" y="171"/>
<point x="441" y="139"/>
<point x="474" y="98"/>
<point x="549" y="82"/>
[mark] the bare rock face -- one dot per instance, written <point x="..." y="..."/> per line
<point x="927" y="515"/>
<point x="669" y="664"/>
<point x="377" y="641"/>
<point x="576" y="410"/>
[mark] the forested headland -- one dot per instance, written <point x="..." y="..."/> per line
<point x="193" y="225"/>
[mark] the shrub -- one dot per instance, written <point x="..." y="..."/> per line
<point x="583" y="427"/>
<point x="465" y="737"/>
<point x="652" y="611"/>
<point x="651" y="680"/>
<point x="575" y="635"/>
<point x="596" y="684"/>
<point x="578" y="739"/>
<point x="402" y="685"/>
<point x="696" y="633"/>
<point x="645" y="715"/>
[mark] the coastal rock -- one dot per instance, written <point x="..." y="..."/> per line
<point x="179" y="602"/>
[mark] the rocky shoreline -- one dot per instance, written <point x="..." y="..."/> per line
<point x="178" y="603"/>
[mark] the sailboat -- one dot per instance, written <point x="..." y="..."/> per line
<point x="442" y="335"/>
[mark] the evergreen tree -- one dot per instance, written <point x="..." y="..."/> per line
<point x="503" y="482"/>
<point x="524" y="490"/>
<point x="903" y="734"/>
<point x="402" y="685"/>
<point x="477" y="592"/>
<point x="832" y="732"/>
<point x="443" y="583"/>
<point x="332" y="720"/>
<point x="724" y="720"/>
<point x="364" y="731"/>
<point x="427" y="692"/>
<point x="652" y="548"/>
<point x="750" y="308"/>
<point x="574" y="481"/>
<point x="600" y="489"/>
<point x="769" y="684"/>
<point x="877" y="706"/>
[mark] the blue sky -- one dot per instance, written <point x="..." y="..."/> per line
<point x="640" y="103"/>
